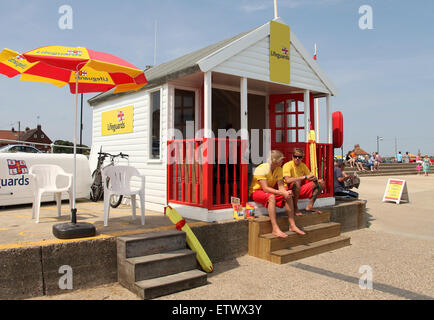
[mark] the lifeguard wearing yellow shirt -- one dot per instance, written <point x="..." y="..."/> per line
<point x="294" y="173"/>
<point x="268" y="189"/>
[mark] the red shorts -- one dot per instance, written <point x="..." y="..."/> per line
<point x="306" y="190"/>
<point x="262" y="197"/>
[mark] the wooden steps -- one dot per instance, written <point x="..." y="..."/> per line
<point x="321" y="236"/>
<point x="310" y="249"/>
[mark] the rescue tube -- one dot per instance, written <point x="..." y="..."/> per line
<point x="338" y="129"/>
<point x="192" y="241"/>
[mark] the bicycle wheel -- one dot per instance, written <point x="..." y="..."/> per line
<point x="96" y="189"/>
<point x="115" y="200"/>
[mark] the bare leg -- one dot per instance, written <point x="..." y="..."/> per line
<point x="272" y="214"/>
<point x="290" y="213"/>
<point x="317" y="188"/>
<point x="296" y="192"/>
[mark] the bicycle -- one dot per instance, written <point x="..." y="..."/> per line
<point x="97" y="188"/>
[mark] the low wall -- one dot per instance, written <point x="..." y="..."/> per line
<point x="351" y="214"/>
<point x="34" y="271"/>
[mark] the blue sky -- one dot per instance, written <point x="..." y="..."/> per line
<point x="385" y="76"/>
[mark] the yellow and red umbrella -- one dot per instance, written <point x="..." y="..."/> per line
<point x="84" y="70"/>
<point x="89" y="79"/>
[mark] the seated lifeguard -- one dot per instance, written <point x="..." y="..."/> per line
<point x="294" y="173"/>
<point x="268" y="189"/>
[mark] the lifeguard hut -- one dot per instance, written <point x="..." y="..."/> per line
<point x="262" y="79"/>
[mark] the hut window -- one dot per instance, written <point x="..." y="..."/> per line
<point x="155" y="125"/>
<point x="184" y="109"/>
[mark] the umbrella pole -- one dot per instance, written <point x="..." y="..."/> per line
<point x="72" y="230"/>
<point x="74" y="166"/>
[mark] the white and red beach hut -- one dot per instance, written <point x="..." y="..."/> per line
<point x="229" y="84"/>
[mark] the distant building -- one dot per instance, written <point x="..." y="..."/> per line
<point x="359" y="151"/>
<point x="29" y="135"/>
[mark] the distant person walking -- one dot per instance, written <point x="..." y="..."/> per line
<point x="419" y="168"/>
<point x="426" y="165"/>
<point x="419" y="158"/>
<point x="399" y="157"/>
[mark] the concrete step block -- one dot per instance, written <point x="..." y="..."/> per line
<point x="153" y="288"/>
<point x="159" y="265"/>
<point x="150" y="243"/>
<point x="311" y="249"/>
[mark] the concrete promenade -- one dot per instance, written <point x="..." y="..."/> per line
<point x="397" y="249"/>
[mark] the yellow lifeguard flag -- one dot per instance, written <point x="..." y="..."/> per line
<point x="279" y="52"/>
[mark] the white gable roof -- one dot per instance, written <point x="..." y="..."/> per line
<point x="248" y="56"/>
<point x="244" y="55"/>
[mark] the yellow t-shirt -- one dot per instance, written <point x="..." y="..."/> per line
<point x="263" y="172"/>
<point x="291" y="170"/>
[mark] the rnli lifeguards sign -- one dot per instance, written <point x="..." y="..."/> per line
<point x="279" y="52"/>
<point x="396" y="191"/>
<point x="117" y="121"/>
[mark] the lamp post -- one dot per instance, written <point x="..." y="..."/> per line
<point x="378" y="144"/>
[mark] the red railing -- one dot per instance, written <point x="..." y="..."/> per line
<point x="206" y="172"/>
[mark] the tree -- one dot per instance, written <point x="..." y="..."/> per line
<point x="69" y="147"/>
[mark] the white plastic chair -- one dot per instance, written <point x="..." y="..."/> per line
<point x="44" y="180"/>
<point x="120" y="184"/>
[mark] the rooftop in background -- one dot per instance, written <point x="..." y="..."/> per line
<point x="29" y="135"/>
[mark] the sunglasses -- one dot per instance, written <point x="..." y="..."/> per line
<point x="298" y="157"/>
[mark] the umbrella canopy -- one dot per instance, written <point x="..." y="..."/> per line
<point x="89" y="79"/>
<point x="84" y="70"/>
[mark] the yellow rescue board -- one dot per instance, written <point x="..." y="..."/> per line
<point x="192" y="241"/>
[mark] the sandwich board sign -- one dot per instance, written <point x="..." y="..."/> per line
<point x="396" y="191"/>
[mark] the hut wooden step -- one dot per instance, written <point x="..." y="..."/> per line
<point x="314" y="233"/>
<point x="321" y="235"/>
<point x="264" y="225"/>
<point x="310" y="249"/>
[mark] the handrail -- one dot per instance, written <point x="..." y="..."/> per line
<point x="44" y="144"/>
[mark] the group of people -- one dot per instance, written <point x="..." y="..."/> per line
<point x="423" y="164"/>
<point x="275" y="184"/>
<point x="360" y="162"/>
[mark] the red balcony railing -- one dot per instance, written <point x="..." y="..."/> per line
<point x="208" y="172"/>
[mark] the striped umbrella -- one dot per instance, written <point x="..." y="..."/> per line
<point x="89" y="80"/>
<point x="84" y="70"/>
